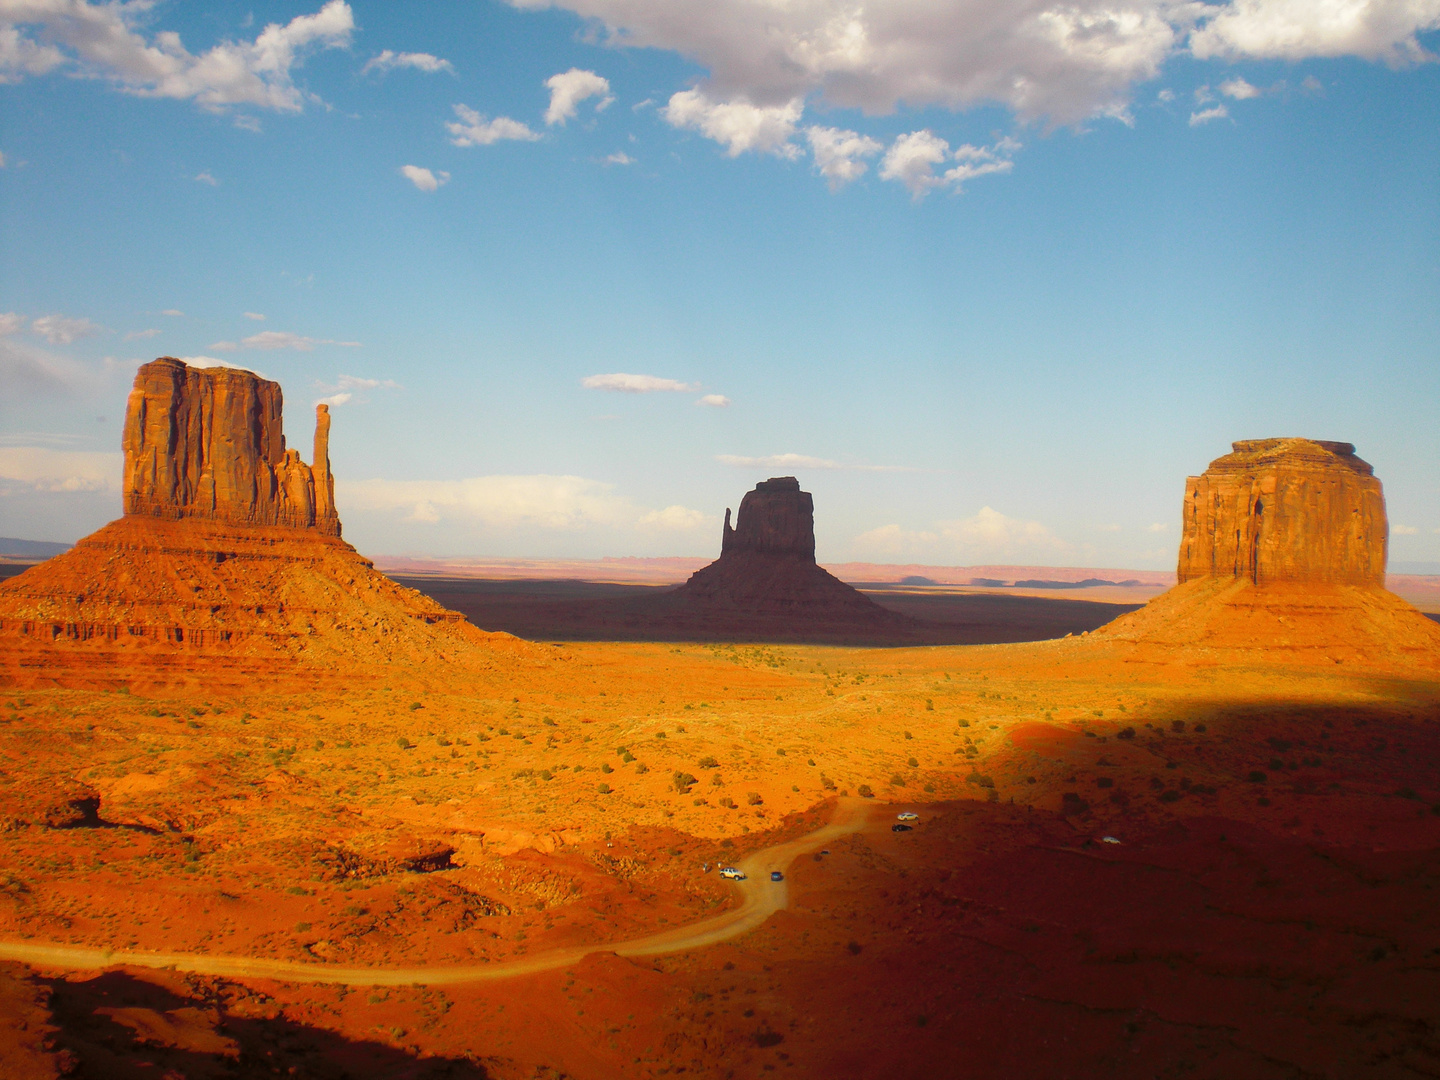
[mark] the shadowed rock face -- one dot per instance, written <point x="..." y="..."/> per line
<point x="207" y="443"/>
<point x="1285" y="510"/>
<point x="777" y="518"/>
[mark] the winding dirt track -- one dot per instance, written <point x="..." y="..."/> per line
<point x="761" y="898"/>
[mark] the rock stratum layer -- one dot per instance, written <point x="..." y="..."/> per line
<point x="209" y="444"/>
<point x="766" y="582"/>
<point x="1282" y="560"/>
<point x="228" y="560"/>
<point x="1285" y="510"/>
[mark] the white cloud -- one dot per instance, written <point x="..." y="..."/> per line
<point x="1405" y="530"/>
<point x="59" y="330"/>
<point x="737" y="125"/>
<point x="1204" y="116"/>
<point x="253" y="316"/>
<point x="1239" y="89"/>
<point x="424" y="179"/>
<point x="11" y="323"/>
<point x="388" y="61"/>
<point x="474" y="130"/>
<point x="141" y="335"/>
<point x="838" y="153"/>
<point x="334" y="400"/>
<point x="1063" y="62"/>
<point x="174" y="313"/>
<point x="279" y="339"/>
<point x="26" y="371"/>
<point x="206" y="178"/>
<point x="2" y="161"/>
<point x="1165" y="95"/>
<point x="1298" y="29"/>
<point x="913" y="158"/>
<point x="570" y="88"/>
<point x="619" y="158"/>
<point x="714" y="401"/>
<point x="635" y="384"/>
<point x="559" y="503"/>
<point x="26" y="469"/>
<point x="800" y="461"/>
<point x="1158" y="527"/>
<point x="210" y="361"/>
<point x="103" y="40"/>
<point x="341" y="391"/>
<point x="989" y="536"/>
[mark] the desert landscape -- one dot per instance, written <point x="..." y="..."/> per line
<point x="266" y="811"/>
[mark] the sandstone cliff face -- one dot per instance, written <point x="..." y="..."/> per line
<point x="207" y="443"/>
<point x="777" y="518"/>
<point x="1285" y="510"/>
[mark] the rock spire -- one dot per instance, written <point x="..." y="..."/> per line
<point x="777" y="518"/>
<point x="208" y="444"/>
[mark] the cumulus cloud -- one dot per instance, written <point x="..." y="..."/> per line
<point x="1239" y="89"/>
<point x="618" y="158"/>
<point x="912" y="160"/>
<point x="26" y="371"/>
<point x="253" y="316"/>
<point x="343" y="389"/>
<point x="388" y="61"/>
<point x="570" y="88"/>
<point x="174" y="313"/>
<point x="635" y="384"/>
<point x="11" y="323"/>
<point x="1297" y="29"/>
<point x="473" y="129"/>
<point x="58" y="330"/>
<point x="206" y="178"/>
<point x="839" y="154"/>
<point x="1158" y="527"/>
<point x="141" y="335"/>
<point x="1405" y="530"/>
<point x="989" y="536"/>
<point x="714" y="401"/>
<point x="1060" y="62"/>
<point x="424" y="179"/>
<point x="105" y="41"/>
<point x="1204" y="116"/>
<point x="558" y="503"/>
<point x="279" y="339"/>
<point x="737" y="125"/>
<point x="25" y="469"/>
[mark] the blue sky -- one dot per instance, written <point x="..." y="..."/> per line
<point x="991" y="278"/>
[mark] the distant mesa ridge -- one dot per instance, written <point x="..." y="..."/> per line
<point x="1285" y="510"/>
<point x="208" y="444"/>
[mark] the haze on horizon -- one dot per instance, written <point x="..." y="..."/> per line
<point x="990" y="279"/>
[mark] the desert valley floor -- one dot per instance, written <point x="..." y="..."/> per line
<point x="1268" y="910"/>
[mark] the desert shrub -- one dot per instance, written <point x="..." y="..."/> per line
<point x="715" y="779"/>
<point x="621" y="751"/>
<point x="1200" y="729"/>
<point x="415" y="705"/>
<point x="1177" y="725"/>
<point x="912" y="763"/>
<point x="549" y="721"/>
<point x="810" y="761"/>
<point x="546" y="774"/>
<point x="1256" y="777"/>
<point x="682" y="781"/>
<point x="1170" y="796"/>
<point x="752" y="798"/>
<point x="929" y="788"/>
<point x="794" y="787"/>
<point x="897" y="780"/>
<point x="768" y="1038"/>
<point x="403" y="743"/>
<point x="929" y="705"/>
<point x="864" y="791"/>
<point x="827" y="783"/>
<point x="605" y="767"/>
<point x="603" y="789"/>
<point x="1072" y="805"/>
<point x="854" y="948"/>
<point x="680" y="729"/>
<point x="980" y="780"/>
<point x="963" y="723"/>
<point x="780" y="751"/>
<point x="727" y="802"/>
<point x="708" y="762"/>
<point x="1278" y="744"/>
<point x="1104" y="782"/>
<point x="642" y="768"/>
<point x="1276" y="765"/>
<point x="627" y="757"/>
<point x="1125" y="733"/>
<point x="660" y="735"/>
<point x="442" y="741"/>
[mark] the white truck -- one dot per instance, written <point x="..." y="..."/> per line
<point x="731" y="873"/>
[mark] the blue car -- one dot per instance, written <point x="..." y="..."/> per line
<point x="775" y="875"/>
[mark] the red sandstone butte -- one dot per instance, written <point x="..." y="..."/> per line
<point x="1276" y="510"/>
<point x="208" y="444"/>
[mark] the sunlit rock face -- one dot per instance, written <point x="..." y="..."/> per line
<point x="207" y="444"/>
<point x="1285" y="510"/>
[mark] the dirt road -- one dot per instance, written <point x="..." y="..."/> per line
<point x="760" y="898"/>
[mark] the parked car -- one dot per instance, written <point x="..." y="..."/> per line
<point x="907" y="815"/>
<point x="731" y="873"/>
<point x="898" y="827"/>
<point x="776" y="875"/>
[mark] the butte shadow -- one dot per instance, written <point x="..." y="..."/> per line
<point x="227" y="565"/>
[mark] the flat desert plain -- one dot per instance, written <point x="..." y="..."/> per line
<point x="1127" y="862"/>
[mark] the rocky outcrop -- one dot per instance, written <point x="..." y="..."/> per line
<point x="1285" y="510"/>
<point x="777" y="518"/>
<point x="208" y="444"/>
<point x="766" y="583"/>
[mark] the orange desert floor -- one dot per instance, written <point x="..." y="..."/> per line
<point x="1268" y="909"/>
